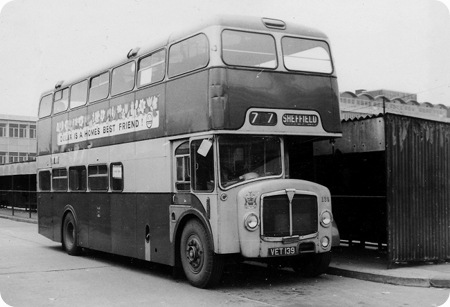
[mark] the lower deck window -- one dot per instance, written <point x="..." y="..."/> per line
<point x="44" y="181"/>
<point x="77" y="178"/>
<point x="59" y="179"/>
<point x="116" y="176"/>
<point x="183" y="182"/>
<point x="98" y="177"/>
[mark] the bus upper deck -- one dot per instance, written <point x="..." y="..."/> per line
<point x="238" y="69"/>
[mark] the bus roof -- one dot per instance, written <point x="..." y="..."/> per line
<point x="251" y="23"/>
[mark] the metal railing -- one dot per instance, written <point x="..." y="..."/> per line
<point x="19" y="201"/>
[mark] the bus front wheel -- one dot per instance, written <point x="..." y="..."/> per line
<point x="69" y="235"/>
<point x="202" y="267"/>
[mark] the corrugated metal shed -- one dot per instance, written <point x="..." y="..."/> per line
<point x="418" y="189"/>
<point x="393" y="179"/>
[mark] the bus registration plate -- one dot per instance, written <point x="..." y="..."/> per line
<point x="282" y="251"/>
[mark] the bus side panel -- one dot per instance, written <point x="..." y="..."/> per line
<point x="80" y="203"/>
<point x="185" y="112"/>
<point x="95" y="113"/>
<point x="154" y="99"/>
<point x="59" y="142"/>
<point x="154" y="211"/>
<point x="99" y="222"/>
<point x="45" y="214"/>
<point x="117" y="104"/>
<point x="60" y="200"/>
<point x="76" y="117"/>
<point x="123" y="224"/>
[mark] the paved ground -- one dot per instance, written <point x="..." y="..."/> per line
<point x="370" y="265"/>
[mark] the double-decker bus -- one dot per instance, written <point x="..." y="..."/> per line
<point x="198" y="150"/>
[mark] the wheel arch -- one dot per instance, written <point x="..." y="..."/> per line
<point x="189" y="215"/>
<point x="67" y="209"/>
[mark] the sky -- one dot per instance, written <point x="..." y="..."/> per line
<point x="401" y="45"/>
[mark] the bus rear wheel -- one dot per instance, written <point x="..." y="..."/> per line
<point x="312" y="265"/>
<point x="202" y="267"/>
<point x="69" y="235"/>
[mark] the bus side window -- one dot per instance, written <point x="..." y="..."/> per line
<point x="45" y="107"/>
<point x="188" y="55"/>
<point x="78" y="94"/>
<point x="183" y="167"/>
<point x="44" y="181"/>
<point x="116" y="180"/>
<point x="61" y="101"/>
<point x="98" y="177"/>
<point x="59" y="179"/>
<point x="77" y="178"/>
<point x="123" y="78"/>
<point x="203" y="168"/>
<point x="99" y="87"/>
<point x="152" y="68"/>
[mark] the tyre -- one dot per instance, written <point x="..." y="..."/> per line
<point x="312" y="265"/>
<point x="202" y="267"/>
<point x="70" y="235"/>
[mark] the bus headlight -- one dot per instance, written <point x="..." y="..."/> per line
<point x="326" y="218"/>
<point x="251" y="222"/>
<point x="324" y="242"/>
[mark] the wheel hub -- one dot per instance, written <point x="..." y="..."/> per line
<point x="194" y="253"/>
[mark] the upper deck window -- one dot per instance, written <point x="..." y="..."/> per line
<point x="78" y="94"/>
<point x="151" y="68"/>
<point x="306" y="55"/>
<point x="45" y="108"/>
<point x="123" y="78"/>
<point x="188" y="55"/>
<point x="99" y="87"/>
<point x="248" y="49"/>
<point x="61" y="101"/>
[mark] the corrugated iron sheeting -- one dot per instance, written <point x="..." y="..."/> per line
<point x="418" y="189"/>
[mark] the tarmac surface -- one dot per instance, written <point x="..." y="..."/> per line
<point x="364" y="264"/>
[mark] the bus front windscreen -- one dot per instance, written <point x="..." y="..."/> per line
<point x="248" y="49"/>
<point x="248" y="157"/>
<point x="307" y="55"/>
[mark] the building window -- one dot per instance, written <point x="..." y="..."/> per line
<point x="98" y="177"/>
<point x="13" y="157"/>
<point x="32" y="133"/>
<point x="3" y="157"/>
<point x="13" y="130"/>
<point x="23" y="131"/>
<point x="77" y="178"/>
<point x="3" y="130"/>
<point x="22" y="156"/>
<point x="31" y="156"/>
<point x="59" y="179"/>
